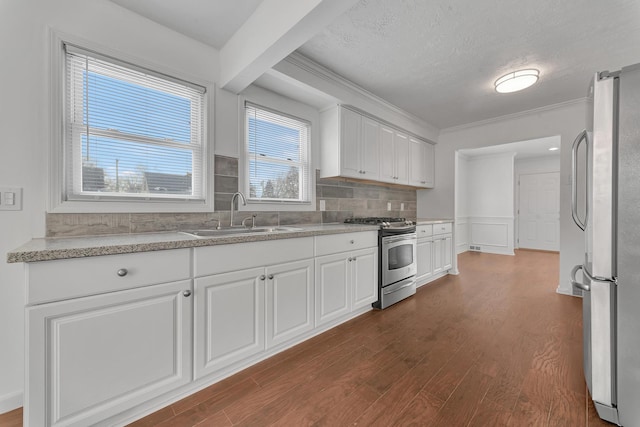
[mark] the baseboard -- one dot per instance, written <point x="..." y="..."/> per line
<point x="10" y="401"/>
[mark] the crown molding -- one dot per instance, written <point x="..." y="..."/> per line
<point x="298" y="60"/>
<point x="512" y="116"/>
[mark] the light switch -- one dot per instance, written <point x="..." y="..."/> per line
<point x="323" y="205"/>
<point x="388" y="206"/>
<point x="401" y="206"/>
<point x="10" y="199"/>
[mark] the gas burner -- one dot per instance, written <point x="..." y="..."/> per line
<point x="381" y="220"/>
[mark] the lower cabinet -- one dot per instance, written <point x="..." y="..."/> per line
<point x="344" y="282"/>
<point x="229" y="319"/>
<point x="93" y="357"/>
<point x="424" y="252"/>
<point x="434" y="251"/>
<point x="242" y="313"/>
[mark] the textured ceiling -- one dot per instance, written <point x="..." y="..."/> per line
<point x="210" y="21"/>
<point x="438" y="59"/>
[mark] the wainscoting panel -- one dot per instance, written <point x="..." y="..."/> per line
<point x="492" y="234"/>
<point x="462" y="234"/>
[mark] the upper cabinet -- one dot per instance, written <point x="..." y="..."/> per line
<point x="350" y="144"/>
<point x="421" y="163"/>
<point x="357" y="146"/>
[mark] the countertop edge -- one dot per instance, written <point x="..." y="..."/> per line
<point x="91" y="248"/>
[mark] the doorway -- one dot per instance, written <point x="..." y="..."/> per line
<point x="538" y="213"/>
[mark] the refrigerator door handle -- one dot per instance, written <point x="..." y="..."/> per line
<point x="583" y="136"/>
<point x="575" y="283"/>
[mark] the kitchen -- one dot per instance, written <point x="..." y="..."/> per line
<point x="26" y="164"/>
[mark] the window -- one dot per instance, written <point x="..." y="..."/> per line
<point x="131" y="134"/>
<point x="277" y="161"/>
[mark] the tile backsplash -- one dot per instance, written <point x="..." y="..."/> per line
<point x="343" y="198"/>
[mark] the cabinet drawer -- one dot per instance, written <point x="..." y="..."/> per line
<point x="72" y="278"/>
<point x="424" y="230"/>
<point x="335" y="243"/>
<point x="238" y="256"/>
<point x="442" y="228"/>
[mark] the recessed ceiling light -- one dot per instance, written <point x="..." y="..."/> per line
<point x="553" y="148"/>
<point x="516" y="81"/>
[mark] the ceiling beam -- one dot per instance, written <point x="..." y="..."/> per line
<point x="273" y="31"/>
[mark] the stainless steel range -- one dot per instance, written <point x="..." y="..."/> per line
<point x="396" y="258"/>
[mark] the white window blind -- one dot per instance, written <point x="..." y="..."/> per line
<point x="277" y="161"/>
<point x="130" y="133"/>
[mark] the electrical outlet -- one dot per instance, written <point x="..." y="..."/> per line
<point x="10" y="199"/>
<point x="401" y="206"/>
<point x="388" y="206"/>
<point x="323" y="205"/>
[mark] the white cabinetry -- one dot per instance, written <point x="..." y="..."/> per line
<point x="421" y="163"/>
<point x="262" y="302"/>
<point x="355" y="145"/>
<point x="349" y="144"/>
<point x="434" y="251"/>
<point x="394" y="156"/>
<point x="95" y="355"/>
<point x="345" y="279"/>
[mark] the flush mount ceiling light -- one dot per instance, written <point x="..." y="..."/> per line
<point x="516" y="80"/>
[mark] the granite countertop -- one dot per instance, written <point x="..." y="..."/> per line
<point x="425" y="221"/>
<point x="47" y="249"/>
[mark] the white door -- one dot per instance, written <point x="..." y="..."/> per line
<point x="438" y="262"/>
<point x="229" y="319"/>
<point x="364" y="265"/>
<point x="424" y="255"/>
<point x="401" y="146"/>
<point x="539" y="211"/>
<point x="350" y="128"/>
<point x="417" y="166"/>
<point x="370" y="148"/>
<point x="289" y="301"/>
<point x="387" y="155"/>
<point x="94" y="357"/>
<point x="332" y="287"/>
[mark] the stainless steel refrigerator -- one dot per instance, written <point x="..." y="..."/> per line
<point x="610" y="281"/>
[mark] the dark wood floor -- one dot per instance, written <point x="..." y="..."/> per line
<point x="494" y="346"/>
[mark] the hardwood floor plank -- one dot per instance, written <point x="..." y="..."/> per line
<point x="562" y="409"/>
<point x="491" y="414"/>
<point x="11" y="418"/>
<point x="421" y="411"/>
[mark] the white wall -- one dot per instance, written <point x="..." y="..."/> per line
<point x="461" y="203"/>
<point x="490" y="199"/>
<point x="565" y="120"/>
<point x="542" y="164"/>
<point x="24" y="120"/>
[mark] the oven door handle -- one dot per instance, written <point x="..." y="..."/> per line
<point x="397" y="289"/>
<point x="394" y="239"/>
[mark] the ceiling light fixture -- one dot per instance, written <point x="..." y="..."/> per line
<point x="516" y="80"/>
<point x="553" y="148"/>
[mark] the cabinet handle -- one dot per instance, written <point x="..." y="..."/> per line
<point x="270" y="276"/>
<point x="186" y="294"/>
<point x="353" y="259"/>
<point x="262" y="277"/>
<point x="122" y="272"/>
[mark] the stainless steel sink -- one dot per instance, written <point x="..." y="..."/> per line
<point x="234" y="231"/>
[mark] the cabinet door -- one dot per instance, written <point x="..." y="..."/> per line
<point x="417" y="171"/>
<point x="332" y="290"/>
<point x="289" y="301"/>
<point x="447" y="254"/>
<point x="438" y="262"/>
<point x="401" y="147"/>
<point x="430" y="165"/>
<point x="92" y="358"/>
<point x="424" y="250"/>
<point x="364" y="268"/>
<point x="350" y="136"/>
<point x="369" y="149"/>
<point x="229" y="319"/>
<point x="387" y="155"/>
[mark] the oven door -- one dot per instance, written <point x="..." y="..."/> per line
<point x="398" y="257"/>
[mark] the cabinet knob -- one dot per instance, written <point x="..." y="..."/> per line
<point x="262" y="277"/>
<point x="122" y="272"/>
<point x="270" y="276"/>
<point x="186" y="294"/>
<point x="350" y="259"/>
<point x="352" y="241"/>
<point x="353" y="259"/>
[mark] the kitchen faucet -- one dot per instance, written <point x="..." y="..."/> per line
<point x="233" y="199"/>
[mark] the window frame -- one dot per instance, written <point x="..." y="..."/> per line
<point x="276" y="104"/>
<point x="57" y="201"/>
